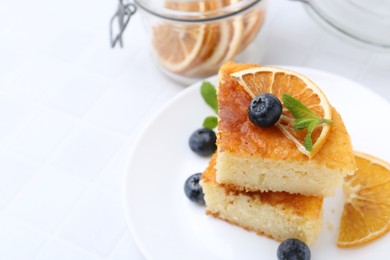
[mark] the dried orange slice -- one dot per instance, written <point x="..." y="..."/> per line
<point x="253" y="20"/>
<point x="178" y="45"/>
<point x="280" y="81"/>
<point x="366" y="214"/>
<point x="221" y="32"/>
<point x="228" y="37"/>
<point x="237" y="32"/>
<point x="196" y="49"/>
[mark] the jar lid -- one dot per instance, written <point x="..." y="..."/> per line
<point x="365" y="21"/>
<point x="195" y="10"/>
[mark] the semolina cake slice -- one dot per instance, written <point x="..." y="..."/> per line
<point x="278" y="215"/>
<point x="252" y="158"/>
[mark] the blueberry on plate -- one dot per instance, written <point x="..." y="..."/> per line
<point x="203" y="142"/>
<point x="265" y="110"/>
<point x="293" y="249"/>
<point x="193" y="190"/>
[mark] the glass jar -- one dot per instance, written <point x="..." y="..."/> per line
<point x="191" y="39"/>
<point x="362" y="21"/>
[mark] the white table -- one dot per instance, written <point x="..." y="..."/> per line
<point x="71" y="107"/>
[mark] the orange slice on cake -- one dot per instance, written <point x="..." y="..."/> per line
<point x="366" y="214"/>
<point x="278" y="81"/>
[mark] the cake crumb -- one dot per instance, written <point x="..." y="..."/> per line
<point x="333" y="211"/>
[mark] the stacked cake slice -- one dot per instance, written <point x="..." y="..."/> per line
<point x="259" y="180"/>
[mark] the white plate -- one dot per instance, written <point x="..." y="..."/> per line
<point x="166" y="225"/>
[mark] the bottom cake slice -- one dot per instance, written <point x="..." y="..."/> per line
<point x="278" y="215"/>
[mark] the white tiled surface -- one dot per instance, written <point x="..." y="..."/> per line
<point x="71" y="107"/>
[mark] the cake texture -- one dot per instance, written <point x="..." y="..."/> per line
<point x="278" y="215"/>
<point x="251" y="158"/>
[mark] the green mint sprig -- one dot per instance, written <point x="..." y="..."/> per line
<point x="209" y="94"/>
<point x="304" y="118"/>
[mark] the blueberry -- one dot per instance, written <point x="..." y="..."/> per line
<point x="193" y="190"/>
<point x="293" y="249"/>
<point x="203" y="142"/>
<point x="265" y="110"/>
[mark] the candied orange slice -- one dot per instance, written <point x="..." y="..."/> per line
<point x="280" y="81"/>
<point x="366" y="214"/>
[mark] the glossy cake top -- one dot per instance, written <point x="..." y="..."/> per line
<point x="237" y="135"/>
<point x="309" y="207"/>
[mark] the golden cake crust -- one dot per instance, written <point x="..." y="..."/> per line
<point x="237" y="135"/>
<point x="308" y="207"/>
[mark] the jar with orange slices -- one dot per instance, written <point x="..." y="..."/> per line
<point x="191" y="39"/>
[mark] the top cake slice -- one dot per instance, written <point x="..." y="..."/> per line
<point x="264" y="159"/>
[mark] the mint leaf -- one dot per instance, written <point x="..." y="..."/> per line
<point x="209" y="94"/>
<point x="210" y="122"/>
<point x="296" y="108"/>
<point x="308" y="142"/>
<point x="302" y="123"/>
<point x="304" y="118"/>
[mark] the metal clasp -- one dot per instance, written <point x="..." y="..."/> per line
<point x="122" y="15"/>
